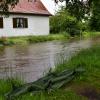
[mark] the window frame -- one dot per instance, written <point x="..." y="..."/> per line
<point x="1" y="23"/>
<point x="23" y="22"/>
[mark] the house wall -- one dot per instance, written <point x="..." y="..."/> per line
<point x="37" y="25"/>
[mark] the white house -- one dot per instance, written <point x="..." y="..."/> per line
<point x="28" y="17"/>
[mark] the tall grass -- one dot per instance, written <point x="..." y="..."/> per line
<point x="54" y="95"/>
<point x="88" y="59"/>
<point x="35" y="39"/>
<point x="91" y="34"/>
<point x="31" y="39"/>
<point x="7" y="85"/>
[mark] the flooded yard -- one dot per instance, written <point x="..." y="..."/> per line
<point x="30" y="62"/>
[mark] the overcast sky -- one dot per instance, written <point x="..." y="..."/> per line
<point x="50" y="5"/>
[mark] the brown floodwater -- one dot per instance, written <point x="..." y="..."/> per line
<point x="32" y="61"/>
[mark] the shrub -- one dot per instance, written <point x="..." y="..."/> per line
<point x="62" y="21"/>
<point x="74" y="31"/>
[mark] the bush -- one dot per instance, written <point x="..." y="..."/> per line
<point x="73" y="32"/>
<point x="62" y="21"/>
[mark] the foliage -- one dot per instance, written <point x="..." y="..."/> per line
<point x="89" y="59"/>
<point x="84" y="26"/>
<point x="5" y="4"/>
<point x="64" y="22"/>
<point x="80" y="8"/>
<point x="77" y="8"/>
<point x="89" y="34"/>
<point x="95" y="18"/>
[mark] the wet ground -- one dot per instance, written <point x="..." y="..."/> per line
<point x="30" y="62"/>
<point x="90" y="92"/>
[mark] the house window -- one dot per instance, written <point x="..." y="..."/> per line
<point x="31" y="0"/>
<point x="1" y="22"/>
<point x="20" y="23"/>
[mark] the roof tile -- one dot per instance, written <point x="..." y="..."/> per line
<point x="30" y="7"/>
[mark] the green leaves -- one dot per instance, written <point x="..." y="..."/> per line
<point x="77" y="8"/>
<point x="5" y="4"/>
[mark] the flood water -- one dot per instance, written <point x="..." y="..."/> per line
<point x="30" y="62"/>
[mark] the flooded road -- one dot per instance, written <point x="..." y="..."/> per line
<point x="30" y="62"/>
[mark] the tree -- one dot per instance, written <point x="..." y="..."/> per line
<point x="77" y="8"/>
<point x="4" y="4"/>
<point x="80" y="8"/>
<point x="95" y="18"/>
<point x="63" y="22"/>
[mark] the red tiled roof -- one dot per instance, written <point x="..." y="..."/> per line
<point x="30" y="7"/>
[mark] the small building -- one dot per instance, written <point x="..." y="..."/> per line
<point x="28" y="17"/>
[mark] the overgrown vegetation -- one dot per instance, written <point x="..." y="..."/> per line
<point x="89" y="59"/>
<point x="35" y="39"/>
<point x="31" y="39"/>
<point x="64" y="22"/>
<point x="4" y="41"/>
<point x="76" y="17"/>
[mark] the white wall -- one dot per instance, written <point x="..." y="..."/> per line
<point x="37" y="25"/>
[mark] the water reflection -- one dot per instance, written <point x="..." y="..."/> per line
<point x="30" y="62"/>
